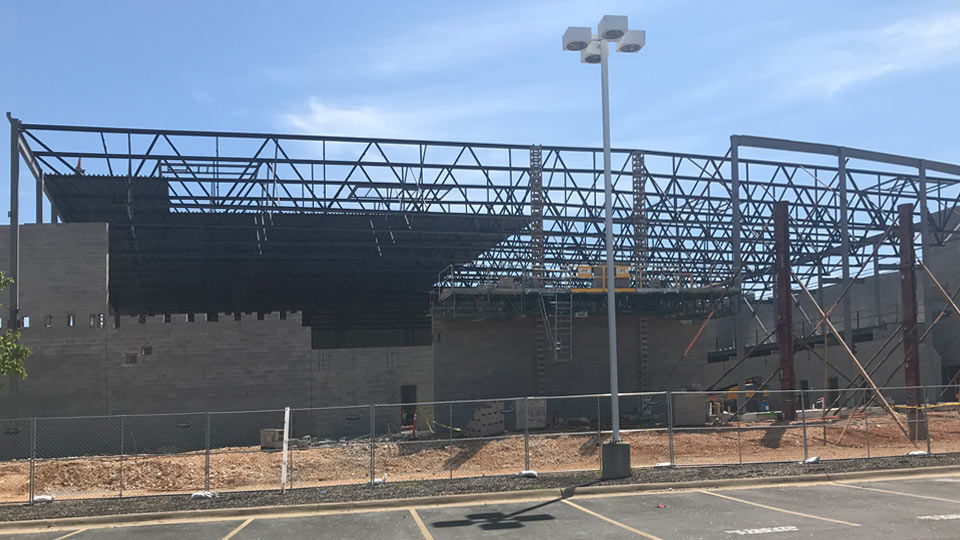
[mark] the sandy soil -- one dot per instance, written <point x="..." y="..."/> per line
<point x="237" y="469"/>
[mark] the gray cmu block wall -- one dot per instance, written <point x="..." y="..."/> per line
<point x="179" y="366"/>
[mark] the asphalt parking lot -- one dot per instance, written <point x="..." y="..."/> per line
<point x="927" y="507"/>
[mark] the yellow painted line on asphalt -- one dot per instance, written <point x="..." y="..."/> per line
<point x="784" y="510"/>
<point x="423" y="528"/>
<point x="928" y="497"/>
<point x="68" y="535"/>
<point x="611" y="521"/>
<point x="238" y="529"/>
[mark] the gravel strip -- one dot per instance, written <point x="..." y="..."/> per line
<point x="488" y="484"/>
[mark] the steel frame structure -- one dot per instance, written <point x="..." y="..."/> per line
<point x="493" y="212"/>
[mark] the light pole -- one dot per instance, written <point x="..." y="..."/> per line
<point x="594" y="49"/>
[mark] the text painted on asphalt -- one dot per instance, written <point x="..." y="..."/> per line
<point x="763" y="530"/>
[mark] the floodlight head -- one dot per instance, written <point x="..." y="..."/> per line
<point x="591" y="55"/>
<point x="612" y="27"/>
<point x="576" y="38"/>
<point x="632" y="41"/>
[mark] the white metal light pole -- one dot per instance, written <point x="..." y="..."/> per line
<point x="594" y="49"/>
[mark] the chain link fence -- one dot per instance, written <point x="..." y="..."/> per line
<point x="117" y="456"/>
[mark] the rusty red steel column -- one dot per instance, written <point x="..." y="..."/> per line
<point x="911" y="345"/>
<point x="781" y="239"/>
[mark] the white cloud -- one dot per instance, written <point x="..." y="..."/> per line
<point x="824" y="65"/>
<point x="324" y="118"/>
<point x="462" y="117"/>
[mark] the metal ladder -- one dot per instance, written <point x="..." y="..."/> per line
<point x="542" y="340"/>
<point x="643" y="363"/>
<point x="557" y="322"/>
<point x="563" y="326"/>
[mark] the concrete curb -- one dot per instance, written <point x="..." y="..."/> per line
<point x="759" y="481"/>
<point x="221" y="514"/>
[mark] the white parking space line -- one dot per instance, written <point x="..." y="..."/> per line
<point x="941" y="517"/>
<point x="890" y="492"/>
<point x="764" y="530"/>
<point x="784" y="510"/>
<point x="611" y="521"/>
<point x="68" y="535"/>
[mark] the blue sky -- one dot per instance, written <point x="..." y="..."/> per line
<point x="879" y="75"/>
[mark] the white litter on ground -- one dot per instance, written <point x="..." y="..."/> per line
<point x="43" y="498"/>
<point x="663" y="465"/>
<point x="811" y="460"/>
<point x="528" y="474"/>
<point x="918" y="453"/>
<point x="378" y="481"/>
<point x="204" y="495"/>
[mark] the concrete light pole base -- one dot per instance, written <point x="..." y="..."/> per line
<point x="615" y="461"/>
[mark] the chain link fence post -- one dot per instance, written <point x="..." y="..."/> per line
<point x="526" y="433"/>
<point x="803" y="419"/>
<point x="599" y="436"/>
<point x="866" y="420"/>
<point x="670" y="424"/>
<point x="284" y="451"/>
<point x="33" y="459"/>
<point x="926" y="416"/>
<point x="373" y="448"/>
<point x="739" y="444"/>
<point x="122" y="426"/>
<point x="206" y="453"/>
<point x="450" y="435"/>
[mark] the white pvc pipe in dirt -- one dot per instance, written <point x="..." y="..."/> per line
<point x="283" y="458"/>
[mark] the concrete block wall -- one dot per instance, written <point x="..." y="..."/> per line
<point x="496" y="359"/>
<point x="96" y="368"/>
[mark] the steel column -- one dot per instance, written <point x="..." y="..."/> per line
<point x="13" y="322"/>
<point x="639" y="219"/>
<point x="537" y="254"/>
<point x="924" y="238"/>
<point x="845" y="246"/>
<point x="781" y="236"/>
<point x="739" y="320"/>
<point x="38" y="213"/>
<point x="908" y="291"/>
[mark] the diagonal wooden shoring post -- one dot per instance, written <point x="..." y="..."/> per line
<point x="687" y="350"/>
<point x="846" y="288"/>
<point x="922" y="337"/>
<point x="949" y="300"/>
<point x="940" y="288"/>
<point x="840" y="400"/>
<point x="796" y="300"/>
<point x="863" y="373"/>
<point x="777" y="371"/>
<point x="756" y="316"/>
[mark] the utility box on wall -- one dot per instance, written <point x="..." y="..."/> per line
<point x="535" y="413"/>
